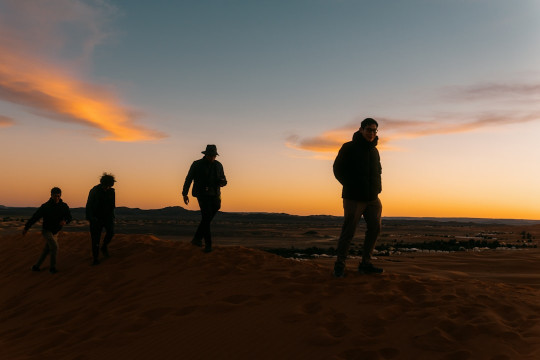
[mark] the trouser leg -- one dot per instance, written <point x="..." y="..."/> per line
<point x="51" y="247"/>
<point x="372" y="216"/>
<point x="44" y="253"/>
<point x="352" y="213"/>
<point x="209" y="205"/>
<point x="109" y="232"/>
<point x="95" y="233"/>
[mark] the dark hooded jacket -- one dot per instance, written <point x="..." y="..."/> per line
<point x="52" y="213"/>
<point x="100" y="204"/>
<point x="358" y="168"/>
<point x="208" y="177"/>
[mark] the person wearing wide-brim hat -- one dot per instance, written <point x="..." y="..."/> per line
<point x="208" y="177"/>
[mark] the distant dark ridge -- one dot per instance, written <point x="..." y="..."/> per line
<point x="176" y="212"/>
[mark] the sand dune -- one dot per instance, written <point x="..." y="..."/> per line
<point x="156" y="299"/>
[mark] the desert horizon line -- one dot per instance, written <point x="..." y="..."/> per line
<point x="289" y="214"/>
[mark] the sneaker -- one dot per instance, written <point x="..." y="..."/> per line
<point x="53" y="270"/>
<point x="368" y="268"/>
<point x="35" y="268"/>
<point x="105" y="252"/>
<point x="196" y="243"/>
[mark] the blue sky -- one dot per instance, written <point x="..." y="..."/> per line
<point x="278" y="86"/>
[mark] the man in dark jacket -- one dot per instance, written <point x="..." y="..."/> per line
<point x="358" y="168"/>
<point x="100" y="213"/>
<point x="208" y="178"/>
<point x="55" y="214"/>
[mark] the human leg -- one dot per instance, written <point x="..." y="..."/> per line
<point x="95" y="233"/>
<point x="44" y="253"/>
<point x="52" y="242"/>
<point x="372" y="216"/>
<point x="197" y="238"/>
<point x="215" y="205"/>
<point x="352" y="212"/>
<point x="209" y="206"/>
<point x="109" y="233"/>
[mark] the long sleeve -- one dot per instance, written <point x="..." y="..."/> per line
<point x="91" y="205"/>
<point x="189" y="178"/>
<point x="67" y="215"/>
<point x="35" y="218"/>
<point x="222" y="180"/>
<point x="339" y="166"/>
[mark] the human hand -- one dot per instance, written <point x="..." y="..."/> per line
<point x="186" y="199"/>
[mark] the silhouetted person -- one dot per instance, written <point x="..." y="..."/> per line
<point x="55" y="214"/>
<point x="358" y="168"/>
<point x="208" y="178"/>
<point x="100" y="213"/>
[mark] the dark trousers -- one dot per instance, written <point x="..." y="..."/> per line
<point x="51" y="247"/>
<point x="96" y="227"/>
<point x="209" y="206"/>
<point x="353" y="211"/>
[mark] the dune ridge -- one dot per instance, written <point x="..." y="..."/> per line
<point x="157" y="299"/>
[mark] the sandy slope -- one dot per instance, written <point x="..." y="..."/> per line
<point x="157" y="299"/>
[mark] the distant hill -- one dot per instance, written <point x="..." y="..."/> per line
<point x="178" y="212"/>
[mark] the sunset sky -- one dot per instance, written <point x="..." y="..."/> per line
<point x="138" y="88"/>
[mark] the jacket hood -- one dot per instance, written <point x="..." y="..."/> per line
<point x="358" y="138"/>
<point x="51" y="201"/>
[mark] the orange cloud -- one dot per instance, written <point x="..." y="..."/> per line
<point x="6" y="121"/>
<point x="394" y="129"/>
<point x="32" y="75"/>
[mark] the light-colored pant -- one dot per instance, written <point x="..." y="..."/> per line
<point x="51" y="246"/>
<point x="353" y="211"/>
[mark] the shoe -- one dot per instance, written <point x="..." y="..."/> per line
<point x="196" y="243"/>
<point x="53" y="270"/>
<point x="339" y="271"/>
<point x="368" y="268"/>
<point x="35" y="268"/>
<point x="105" y="252"/>
<point x="207" y="250"/>
<point x="95" y="262"/>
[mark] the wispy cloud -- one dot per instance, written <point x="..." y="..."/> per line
<point x="394" y="129"/>
<point x="6" y="121"/>
<point x="46" y="48"/>
<point x="514" y="94"/>
<point x="493" y="91"/>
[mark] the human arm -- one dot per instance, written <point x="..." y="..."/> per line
<point x="35" y="218"/>
<point x="340" y="165"/>
<point x="222" y="180"/>
<point x="67" y="216"/>
<point x="91" y="205"/>
<point x="187" y="183"/>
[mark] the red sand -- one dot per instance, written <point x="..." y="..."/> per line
<point x="157" y="299"/>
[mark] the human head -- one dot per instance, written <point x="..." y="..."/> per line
<point x="368" y="128"/>
<point x="107" y="180"/>
<point x="56" y="194"/>
<point x="211" y="152"/>
<point x="368" y="122"/>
